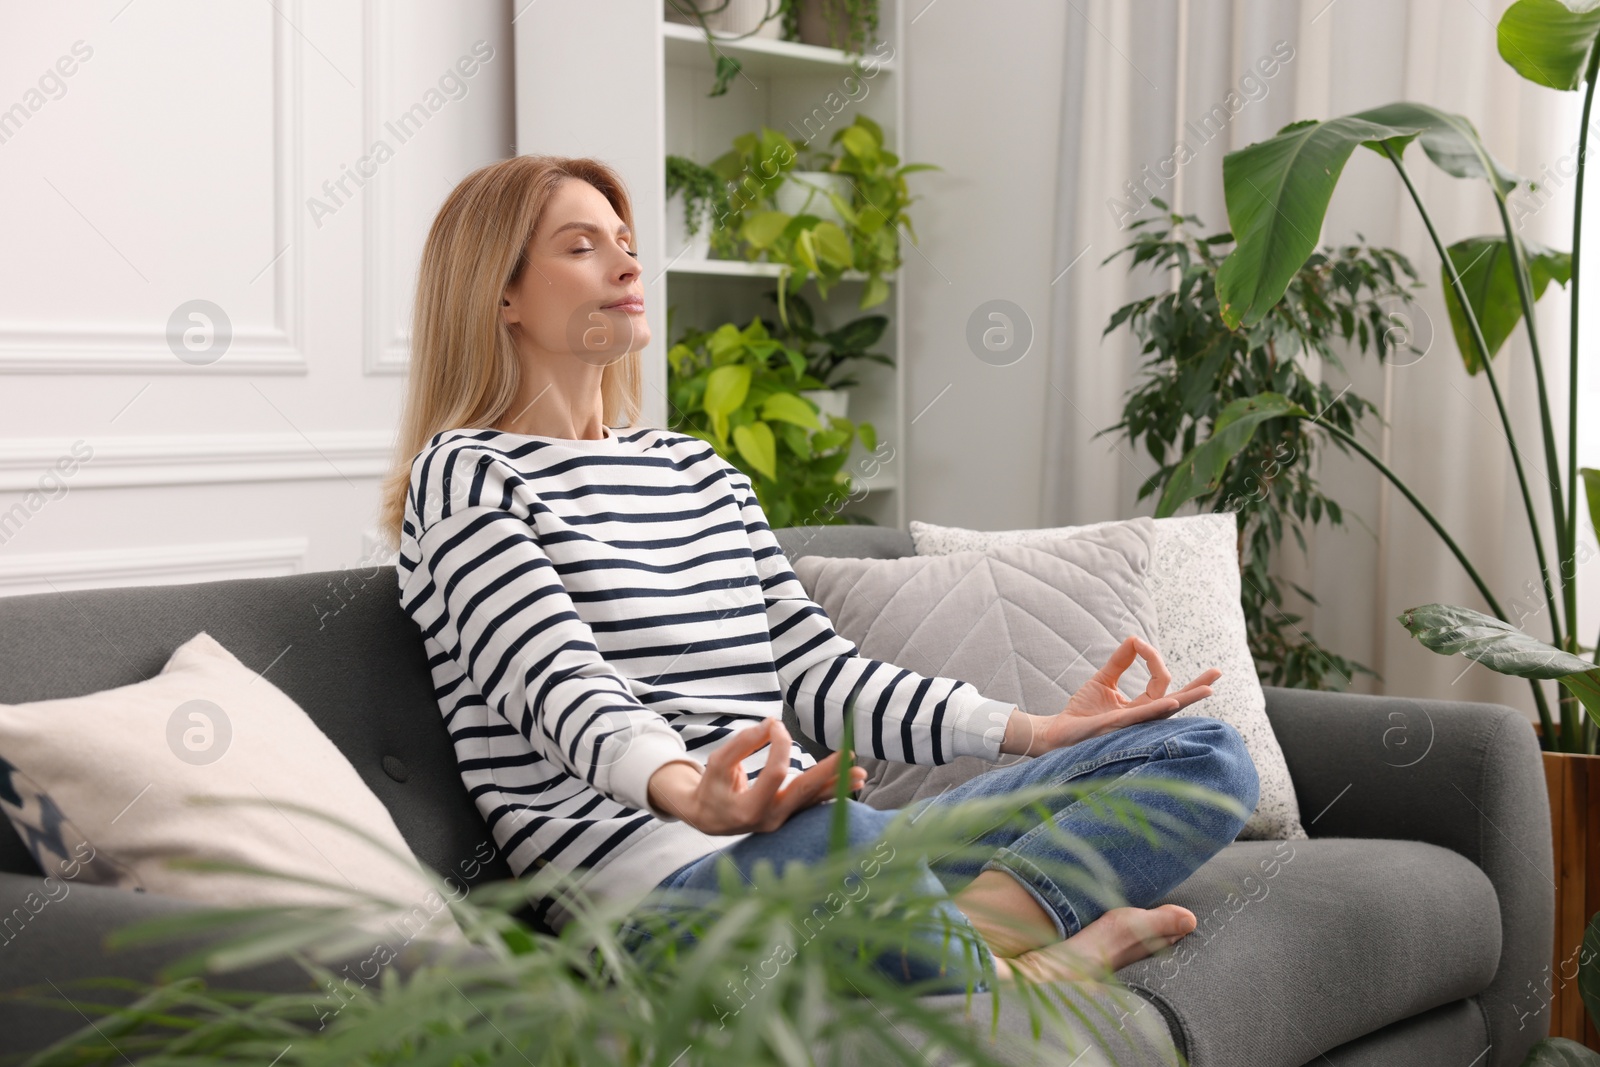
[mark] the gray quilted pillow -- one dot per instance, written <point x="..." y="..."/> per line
<point x="1025" y="623"/>
<point x="1194" y="581"/>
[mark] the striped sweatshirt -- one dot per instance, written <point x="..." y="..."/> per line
<point x="594" y="609"/>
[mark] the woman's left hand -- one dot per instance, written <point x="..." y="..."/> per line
<point x="1100" y="708"/>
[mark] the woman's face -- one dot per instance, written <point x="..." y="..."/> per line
<point x="581" y="291"/>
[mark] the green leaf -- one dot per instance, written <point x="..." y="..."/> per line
<point x="758" y="446"/>
<point x="1200" y="471"/>
<point x="1548" y="41"/>
<point x="805" y="250"/>
<point x="1589" y="969"/>
<point x="859" y="143"/>
<point x="724" y="344"/>
<point x="832" y="244"/>
<point x="858" y="335"/>
<point x="1560" y="1052"/>
<point x="1502" y="647"/>
<point x="789" y="407"/>
<point x="1586" y="687"/>
<point x="1488" y="274"/>
<point x="1450" y="140"/>
<point x="875" y="292"/>
<point x="726" y="388"/>
<point x="1591" y="489"/>
<point x="1277" y="193"/>
<point x="1447" y="630"/>
<point x="764" y="227"/>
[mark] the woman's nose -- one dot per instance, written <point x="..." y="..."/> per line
<point x="628" y="268"/>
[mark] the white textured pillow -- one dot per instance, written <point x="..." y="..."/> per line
<point x="96" y="785"/>
<point x="1194" y="582"/>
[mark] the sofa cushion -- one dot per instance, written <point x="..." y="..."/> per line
<point x="1027" y="624"/>
<point x="1194" y="582"/>
<point x="1304" y="945"/>
<point x="108" y="787"/>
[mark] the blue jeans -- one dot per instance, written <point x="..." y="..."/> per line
<point x="1190" y="749"/>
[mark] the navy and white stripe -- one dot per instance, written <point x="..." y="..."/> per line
<point x="593" y="610"/>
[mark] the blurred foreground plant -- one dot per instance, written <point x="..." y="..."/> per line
<point x="583" y="997"/>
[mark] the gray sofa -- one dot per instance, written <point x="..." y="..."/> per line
<point x="1413" y="928"/>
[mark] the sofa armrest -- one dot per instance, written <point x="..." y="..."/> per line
<point x="1467" y="777"/>
<point x="52" y="935"/>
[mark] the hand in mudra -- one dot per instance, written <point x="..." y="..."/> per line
<point x="1100" y="708"/>
<point x="725" y="801"/>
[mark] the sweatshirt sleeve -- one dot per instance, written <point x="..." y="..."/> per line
<point x="899" y="715"/>
<point x="484" y="589"/>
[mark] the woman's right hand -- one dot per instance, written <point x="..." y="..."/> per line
<point x="723" y="802"/>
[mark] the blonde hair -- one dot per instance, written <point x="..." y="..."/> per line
<point x="464" y="366"/>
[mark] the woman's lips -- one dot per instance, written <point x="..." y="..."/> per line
<point x="635" y="306"/>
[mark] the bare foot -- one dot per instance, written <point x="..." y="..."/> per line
<point x="1119" y="937"/>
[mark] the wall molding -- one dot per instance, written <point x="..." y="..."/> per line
<point x="279" y="349"/>
<point x="50" y="572"/>
<point x="196" y="459"/>
<point x="386" y="347"/>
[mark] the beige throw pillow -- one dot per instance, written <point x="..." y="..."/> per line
<point x="96" y="786"/>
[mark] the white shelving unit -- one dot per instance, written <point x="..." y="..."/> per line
<point x="642" y="97"/>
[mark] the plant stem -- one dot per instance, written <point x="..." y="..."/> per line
<point x="1461" y="557"/>
<point x="1572" y="347"/>
<point x="1405" y="490"/>
<point x="1494" y="386"/>
<point x="1519" y="262"/>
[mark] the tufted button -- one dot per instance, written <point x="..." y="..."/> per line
<point x="395" y="769"/>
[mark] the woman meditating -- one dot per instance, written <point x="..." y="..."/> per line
<point x="614" y="631"/>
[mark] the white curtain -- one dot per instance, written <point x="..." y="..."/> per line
<point x="1140" y="78"/>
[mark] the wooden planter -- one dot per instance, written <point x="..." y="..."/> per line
<point x="1574" y="784"/>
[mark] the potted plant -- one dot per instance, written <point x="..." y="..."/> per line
<point x="1277" y="193"/>
<point x="740" y="391"/>
<point x="827" y="352"/>
<point x="695" y="198"/>
<point x="725" y="20"/>
<point x="807" y="245"/>
<point x="850" y="25"/>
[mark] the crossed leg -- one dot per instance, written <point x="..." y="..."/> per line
<point x="1023" y="940"/>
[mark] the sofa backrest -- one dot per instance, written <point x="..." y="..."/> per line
<point x="336" y="642"/>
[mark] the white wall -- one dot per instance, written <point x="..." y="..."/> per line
<point x="983" y="102"/>
<point x="204" y="151"/>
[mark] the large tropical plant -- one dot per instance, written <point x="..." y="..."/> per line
<point x="1277" y="194"/>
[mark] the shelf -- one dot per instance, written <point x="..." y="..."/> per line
<point x="741" y="268"/>
<point x="686" y="45"/>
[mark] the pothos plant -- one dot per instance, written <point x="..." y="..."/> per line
<point x="851" y="26"/>
<point x="828" y="351"/>
<point x="725" y="66"/>
<point x="739" y="391"/>
<point x="1196" y="366"/>
<point x="808" y="246"/>
<point x="1277" y="193"/>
